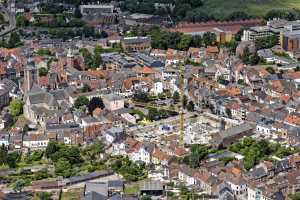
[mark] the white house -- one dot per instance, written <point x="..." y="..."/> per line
<point x="264" y="129"/>
<point x="238" y="185"/>
<point x="256" y="194"/>
<point x="143" y="153"/>
<point x="4" y="140"/>
<point x="113" y="102"/>
<point x="157" y="88"/>
<point x="185" y="174"/>
<point x="114" y="134"/>
<point x="35" y="141"/>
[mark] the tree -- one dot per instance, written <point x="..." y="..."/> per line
<point x="77" y="12"/>
<point x="12" y="159"/>
<point x="96" y="102"/>
<point x="19" y="185"/>
<point x="297" y="69"/>
<point x="44" y="52"/>
<point x="43" y="71"/>
<point x="51" y="148"/>
<point x="94" y="150"/>
<point x="153" y="114"/>
<point x="72" y="154"/>
<point x="81" y="101"/>
<point x="238" y="15"/>
<point x="209" y="38"/>
<point x="63" y="167"/>
<point x="228" y="112"/>
<point x="146" y="197"/>
<point x="87" y="57"/>
<point x="249" y="162"/>
<point x="3" y="154"/>
<point x="103" y="34"/>
<point x="185" y="42"/>
<point x="254" y="59"/>
<point x="266" y="42"/>
<point x="176" y="97"/>
<point x="184" y="101"/>
<point x="42" y="196"/>
<point x="241" y="82"/>
<point x="21" y="21"/>
<point x="196" y="41"/>
<point x="14" y="40"/>
<point x="198" y="153"/>
<point x="245" y="56"/>
<point x="16" y="107"/>
<point x="191" y="106"/>
<point x="141" y="96"/>
<point x="86" y="88"/>
<point x="295" y="196"/>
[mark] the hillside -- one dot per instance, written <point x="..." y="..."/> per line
<point x="252" y="7"/>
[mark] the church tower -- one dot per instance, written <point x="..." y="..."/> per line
<point x="70" y="58"/>
<point x="30" y="76"/>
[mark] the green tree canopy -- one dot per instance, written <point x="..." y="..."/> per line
<point x="16" y="107"/>
<point x="176" y="97"/>
<point x="14" y="40"/>
<point x="63" y="167"/>
<point x="86" y="88"/>
<point x="81" y="101"/>
<point x="19" y="185"/>
<point x="191" y="106"/>
<point x="43" y="71"/>
<point x="96" y="102"/>
<point x="209" y="39"/>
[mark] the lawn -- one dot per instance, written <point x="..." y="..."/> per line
<point x="225" y="7"/>
<point x="132" y="189"/>
<point x="72" y="194"/>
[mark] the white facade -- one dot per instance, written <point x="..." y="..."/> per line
<point x="188" y="180"/>
<point x="141" y="155"/>
<point x="118" y="149"/>
<point x="109" y="138"/>
<point x="145" y="156"/>
<point x="67" y="140"/>
<point x="113" y="104"/>
<point x="157" y="88"/>
<point x="264" y="130"/>
<point x="4" y="142"/>
<point x="254" y="194"/>
<point x="35" y="143"/>
<point x="238" y="189"/>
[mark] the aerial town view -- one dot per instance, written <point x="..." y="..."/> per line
<point x="150" y="99"/>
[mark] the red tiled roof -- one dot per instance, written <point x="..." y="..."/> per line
<point x="293" y="119"/>
<point x="147" y="70"/>
<point x="160" y="155"/>
<point x="43" y="81"/>
<point x="212" y="49"/>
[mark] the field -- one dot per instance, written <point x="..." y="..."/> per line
<point x="252" y="7"/>
<point x="74" y="194"/>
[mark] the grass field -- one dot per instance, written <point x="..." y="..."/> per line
<point x="133" y="188"/>
<point x="224" y="7"/>
<point x="74" y="194"/>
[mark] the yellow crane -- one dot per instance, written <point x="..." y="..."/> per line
<point x="181" y="85"/>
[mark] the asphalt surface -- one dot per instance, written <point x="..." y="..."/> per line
<point x="12" y="21"/>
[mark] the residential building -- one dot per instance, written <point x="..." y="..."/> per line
<point x="113" y="102"/>
<point x="136" y="44"/>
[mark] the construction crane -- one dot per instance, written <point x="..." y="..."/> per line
<point x="181" y="86"/>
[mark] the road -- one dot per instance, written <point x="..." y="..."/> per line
<point x="12" y="21"/>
